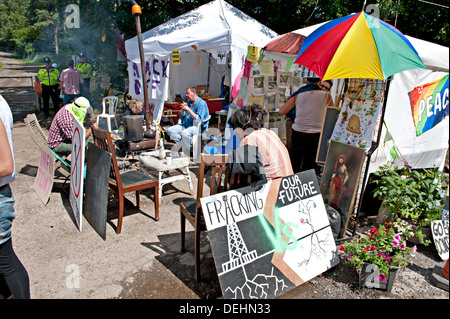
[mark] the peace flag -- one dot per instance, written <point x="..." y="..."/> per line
<point x="429" y="104"/>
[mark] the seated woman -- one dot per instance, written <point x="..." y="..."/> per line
<point x="248" y="124"/>
<point x="135" y="107"/>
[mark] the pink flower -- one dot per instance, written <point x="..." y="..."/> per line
<point x="395" y="243"/>
<point x="381" y="277"/>
<point x="402" y="246"/>
<point x="397" y="237"/>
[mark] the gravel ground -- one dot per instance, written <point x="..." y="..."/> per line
<point x="145" y="261"/>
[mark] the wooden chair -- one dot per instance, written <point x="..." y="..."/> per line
<point x="125" y="182"/>
<point x="192" y="210"/>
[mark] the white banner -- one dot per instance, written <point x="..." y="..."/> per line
<point x="157" y="76"/>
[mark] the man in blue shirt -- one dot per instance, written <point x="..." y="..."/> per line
<point x="194" y="110"/>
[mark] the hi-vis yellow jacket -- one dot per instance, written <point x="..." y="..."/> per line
<point x="48" y="77"/>
<point x="85" y="69"/>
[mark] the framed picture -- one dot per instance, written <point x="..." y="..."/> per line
<point x="258" y="84"/>
<point x="281" y="98"/>
<point x="284" y="79"/>
<point x="270" y="84"/>
<point x="269" y="102"/>
<point x="341" y="179"/>
<point x="329" y="121"/>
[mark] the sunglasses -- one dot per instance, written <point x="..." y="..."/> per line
<point x="325" y="87"/>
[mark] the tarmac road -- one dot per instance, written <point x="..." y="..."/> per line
<point x="145" y="261"/>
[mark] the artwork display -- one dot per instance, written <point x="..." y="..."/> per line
<point x="359" y="113"/>
<point x="340" y="178"/>
<point x="269" y="239"/>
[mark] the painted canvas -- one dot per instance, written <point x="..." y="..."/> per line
<point x="269" y="239"/>
<point x="340" y="178"/>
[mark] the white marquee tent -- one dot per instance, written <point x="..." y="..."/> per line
<point x="211" y="30"/>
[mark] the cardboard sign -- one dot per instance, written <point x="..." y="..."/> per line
<point x="439" y="229"/>
<point x="270" y="239"/>
<point x="176" y="58"/>
<point x="77" y="170"/>
<point x="43" y="183"/>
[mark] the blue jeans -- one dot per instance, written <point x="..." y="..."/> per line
<point x="182" y="136"/>
<point x="6" y="213"/>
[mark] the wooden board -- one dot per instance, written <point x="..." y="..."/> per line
<point x="270" y="239"/>
<point x="96" y="195"/>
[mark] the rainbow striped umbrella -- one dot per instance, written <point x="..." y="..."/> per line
<point x="358" y="46"/>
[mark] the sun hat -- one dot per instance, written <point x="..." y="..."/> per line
<point x="79" y="108"/>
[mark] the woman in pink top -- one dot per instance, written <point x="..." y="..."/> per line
<point x="248" y="124"/>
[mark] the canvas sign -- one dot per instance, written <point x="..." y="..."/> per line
<point x="267" y="240"/>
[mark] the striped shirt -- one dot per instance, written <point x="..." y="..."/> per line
<point x="61" y="129"/>
<point x="275" y="156"/>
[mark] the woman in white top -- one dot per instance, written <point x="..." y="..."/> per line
<point x="310" y="108"/>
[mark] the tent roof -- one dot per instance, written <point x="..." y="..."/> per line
<point x="289" y="43"/>
<point x="215" y="25"/>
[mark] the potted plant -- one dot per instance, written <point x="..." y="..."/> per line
<point x="412" y="195"/>
<point x="378" y="256"/>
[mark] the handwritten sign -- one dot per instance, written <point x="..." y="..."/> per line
<point x="439" y="229"/>
<point x="176" y="58"/>
<point x="157" y="75"/>
<point x="77" y="170"/>
<point x="43" y="183"/>
<point x="270" y="239"/>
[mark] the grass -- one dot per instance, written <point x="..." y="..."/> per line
<point x="1" y="65"/>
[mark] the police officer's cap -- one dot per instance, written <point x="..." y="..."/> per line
<point x="47" y="59"/>
<point x="82" y="55"/>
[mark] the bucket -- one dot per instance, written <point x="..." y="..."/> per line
<point x="133" y="127"/>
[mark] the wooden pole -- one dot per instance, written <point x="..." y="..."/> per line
<point x="136" y="10"/>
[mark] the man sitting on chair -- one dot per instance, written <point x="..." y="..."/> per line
<point x="195" y="109"/>
<point x="61" y="129"/>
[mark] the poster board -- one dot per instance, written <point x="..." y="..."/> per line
<point x="77" y="171"/>
<point x="97" y="181"/>
<point x="329" y="120"/>
<point x="43" y="183"/>
<point x="439" y="229"/>
<point x="267" y="240"/>
<point x="338" y="192"/>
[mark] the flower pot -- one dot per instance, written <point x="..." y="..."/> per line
<point x="369" y="277"/>
<point x="426" y="231"/>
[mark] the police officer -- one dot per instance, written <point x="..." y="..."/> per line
<point x="85" y="68"/>
<point x="49" y="77"/>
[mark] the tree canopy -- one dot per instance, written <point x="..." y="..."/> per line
<point x="69" y="27"/>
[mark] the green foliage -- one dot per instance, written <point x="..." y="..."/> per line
<point x="412" y="195"/>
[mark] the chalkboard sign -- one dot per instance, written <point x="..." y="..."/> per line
<point x="330" y="118"/>
<point x="97" y="180"/>
<point x="269" y="239"/>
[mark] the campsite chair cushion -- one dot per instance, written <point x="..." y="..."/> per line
<point x="190" y="206"/>
<point x="134" y="177"/>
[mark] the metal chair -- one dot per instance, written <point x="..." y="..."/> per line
<point x="109" y="114"/>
